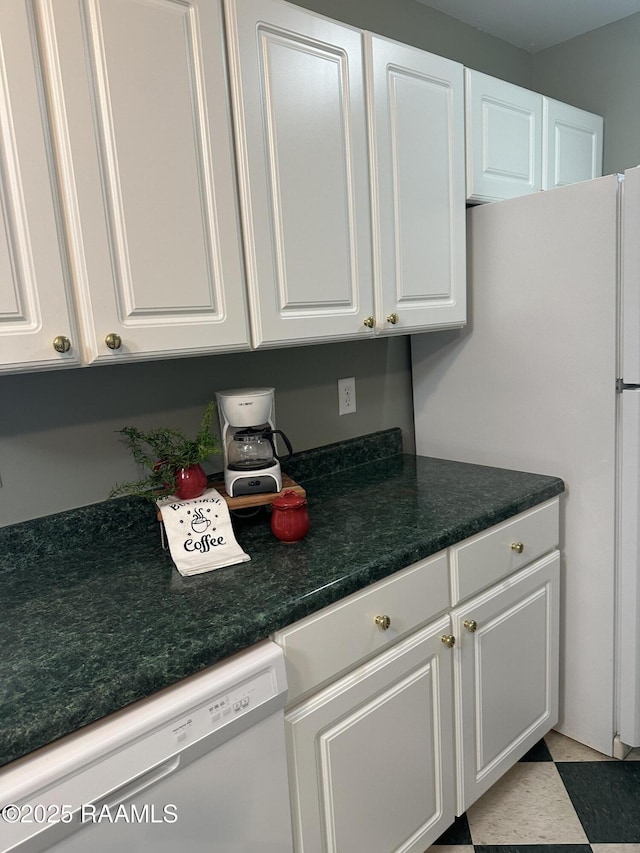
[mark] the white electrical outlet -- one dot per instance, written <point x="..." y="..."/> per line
<point x="346" y="396"/>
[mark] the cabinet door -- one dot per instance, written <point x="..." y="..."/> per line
<point x="297" y="81"/>
<point x="371" y="757"/>
<point x="504" y="139"/>
<point x="416" y="114"/>
<point x="34" y="308"/>
<point x="506" y="674"/>
<point x="572" y="145"/>
<point x="143" y="129"/>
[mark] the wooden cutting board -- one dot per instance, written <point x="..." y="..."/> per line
<point x="244" y="501"/>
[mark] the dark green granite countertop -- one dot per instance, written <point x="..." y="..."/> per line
<point x="93" y="614"/>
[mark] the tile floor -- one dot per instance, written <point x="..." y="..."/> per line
<point x="562" y="797"/>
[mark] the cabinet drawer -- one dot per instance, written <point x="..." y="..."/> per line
<point x="492" y="555"/>
<point x="329" y="642"/>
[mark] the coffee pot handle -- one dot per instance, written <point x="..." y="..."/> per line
<point x="287" y="444"/>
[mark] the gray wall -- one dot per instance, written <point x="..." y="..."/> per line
<point x="414" y="23"/>
<point x="58" y="442"/>
<point x="600" y="72"/>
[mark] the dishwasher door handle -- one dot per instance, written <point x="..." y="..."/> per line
<point x="139" y="784"/>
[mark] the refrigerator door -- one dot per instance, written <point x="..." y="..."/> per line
<point x="630" y="294"/>
<point x="530" y="384"/>
<point x="628" y="627"/>
<point x="628" y="604"/>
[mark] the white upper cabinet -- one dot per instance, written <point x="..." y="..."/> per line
<point x="416" y="113"/>
<point x="123" y="238"/>
<point x="345" y="236"/>
<point x="504" y="139"/>
<point x="519" y="142"/>
<point x="573" y="144"/>
<point x="34" y="307"/>
<point x="142" y="129"/>
<point x="301" y="134"/>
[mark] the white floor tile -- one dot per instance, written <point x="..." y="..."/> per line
<point x="529" y="805"/>
<point x="615" y="848"/>
<point x="563" y="748"/>
<point x="457" y="848"/>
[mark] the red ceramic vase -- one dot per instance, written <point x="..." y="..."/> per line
<point x="190" y="482"/>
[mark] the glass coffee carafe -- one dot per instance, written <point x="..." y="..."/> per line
<point x="253" y="449"/>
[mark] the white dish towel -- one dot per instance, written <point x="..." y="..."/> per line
<point x="200" y="534"/>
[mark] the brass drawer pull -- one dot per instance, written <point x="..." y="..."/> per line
<point x="369" y="322"/>
<point x="471" y="625"/>
<point x="383" y="622"/>
<point x="518" y="547"/>
<point x="449" y="640"/>
<point x="393" y="318"/>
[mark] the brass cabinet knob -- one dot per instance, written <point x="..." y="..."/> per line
<point x="369" y="322"/>
<point x="383" y="622"/>
<point x="518" y="547"/>
<point x="113" y="341"/>
<point x="449" y="640"/>
<point x="471" y="625"/>
<point x="393" y="318"/>
<point x="61" y="343"/>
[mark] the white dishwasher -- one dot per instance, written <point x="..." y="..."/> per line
<point x="199" y="766"/>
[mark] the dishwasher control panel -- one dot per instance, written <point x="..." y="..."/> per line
<point x="225" y="707"/>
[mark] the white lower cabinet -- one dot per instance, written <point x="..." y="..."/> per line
<point x="373" y="753"/>
<point x="506" y="674"/>
<point x="429" y="705"/>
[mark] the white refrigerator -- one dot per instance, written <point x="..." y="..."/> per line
<point x="545" y="377"/>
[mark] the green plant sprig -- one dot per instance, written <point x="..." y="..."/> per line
<point x="163" y="451"/>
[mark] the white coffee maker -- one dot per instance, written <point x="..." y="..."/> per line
<point x="251" y="461"/>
